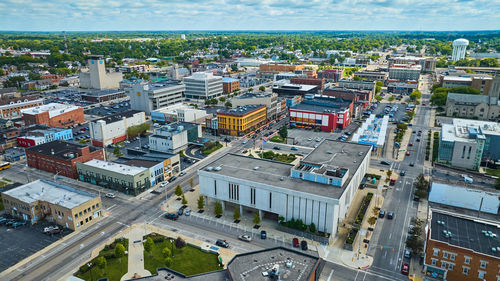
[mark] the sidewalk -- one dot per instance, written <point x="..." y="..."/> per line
<point x="135" y="255"/>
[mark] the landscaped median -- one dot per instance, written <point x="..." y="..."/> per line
<point x="177" y="255"/>
<point x="352" y="236"/>
<point x="210" y="147"/>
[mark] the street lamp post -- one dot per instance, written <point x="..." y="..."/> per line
<point x="172" y="247"/>
<point x="91" y="275"/>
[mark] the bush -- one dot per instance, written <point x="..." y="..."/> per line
<point x="352" y="235"/>
<point x="363" y="208"/>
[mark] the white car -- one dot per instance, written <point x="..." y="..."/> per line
<point x="244" y="141"/>
<point x="110" y="195"/>
<point x="245" y="238"/>
<point x="163" y="184"/>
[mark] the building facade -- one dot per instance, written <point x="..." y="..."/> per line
<point x="174" y="137"/>
<point x="241" y="120"/>
<point x="331" y="75"/>
<point x="404" y="72"/>
<point x="372" y="75"/>
<point x="112" y="129"/>
<point x="427" y="64"/>
<point x="358" y="84"/>
<point x="64" y="205"/>
<point x="324" y="113"/>
<point x="54" y="115"/>
<point x="102" y="95"/>
<point x="98" y="77"/>
<point x="472" y="106"/>
<point x="349" y="94"/>
<point x="270" y="100"/>
<point x="316" y="190"/>
<point x="318" y="82"/>
<point x="203" y="85"/>
<point x="60" y="157"/>
<point x="11" y="108"/>
<point x="230" y="85"/>
<point x="178" y="112"/>
<point x="153" y="96"/>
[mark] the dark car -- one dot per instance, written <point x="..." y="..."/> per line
<point x="412" y="164"/>
<point x="385" y="163"/>
<point x="303" y="245"/>
<point x="222" y="243"/>
<point x="416" y="198"/>
<point x="172" y="216"/>
<point x="402" y="173"/>
<point x="390" y="215"/>
<point x="276" y="148"/>
<point x="263" y="234"/>
<point x="295" y="242"/>
<point x="172" y="179"/>
<point x="180" y="211"/>
<point x="381" y="214"/>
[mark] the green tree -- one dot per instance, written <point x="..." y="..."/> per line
<point x="184" y="201"/>
<point x="201" y="203"/>
<point x="380" y="83"/>
<point x="166" y="252"/>
<point x="415" y="95"/>
<point x="389" y="173"/>
<point x="116" y="151"/>
<point x="236" y="215"/>
<point x="119" y="251"/>
<point x="168" y="261"/>
<point x="218" y="209"/>
<point x="180" y="243"/>
<point x="283" y="132"/>
<point x="262" y="88"/>
<point x="34" y="76"/>
<point x="250" y="89"/>
<point x="178" y="190"/>
<point x="256" y="219"/>
<point x="228" y="104"/>
<point x="391" y="99"/>
<point x="101" y="263"/>
<point x="148" y="245"/>
<point x="312" y="227"/>
<point x="14" y="81"/>
<point x="2" y="73"/>
<point x="222" y="99"/>
<point x="372" y="221"/>
<point x="191" y="182"/>
<point x="378" y="98"/>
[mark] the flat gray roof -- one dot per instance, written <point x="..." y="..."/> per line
<point x="278" y="174"/>
<point x="250" y="266"/>
<point x="43" y="190"/>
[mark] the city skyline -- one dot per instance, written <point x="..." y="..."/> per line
<point x="377" y="15"/>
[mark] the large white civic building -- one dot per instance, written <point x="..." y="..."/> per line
<point x="318" y="190"/>
<point x="203" y="85"/>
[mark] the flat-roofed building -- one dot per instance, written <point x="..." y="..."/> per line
<point x="113" y="128"/>
<point x="174" y="137"/>
<point x="358" y="84"/>
<point x="203" y="86"/>
<point x="42" y="199"/>
<point x="178" y="112"/>
<point x="404" y="72"/>
<point x="153" y="96"/>
<point x="319" y="189"/>
<point x="230" y="85"/>
<point x="270" y="100"/>
<point x="372" y="75"/>
<point x="241" y="120"/>
<point x="54" y="115"/>
<point x="324" y="113"/>
<point x="10" y="108"/>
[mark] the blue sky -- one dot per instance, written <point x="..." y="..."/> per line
<point x="90" y="15"/>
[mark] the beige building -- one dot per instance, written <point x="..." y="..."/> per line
<point x="270" y="100"/>
<point x="98" y="77"/>
<point x="61" y="204"/>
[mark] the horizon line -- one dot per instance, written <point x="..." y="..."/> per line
<point x="256" y="30"/>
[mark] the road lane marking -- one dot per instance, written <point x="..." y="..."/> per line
<point x="109" y="208"/>
<point x="330" y="276"/>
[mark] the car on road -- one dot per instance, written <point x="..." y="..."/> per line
<point x="222" y="243"/>
<point x="407" y="254"/>
<point x="293" y="148"/>
<point x="110" y="195"/>
<point x="407" y="153"/>
<point x="405" y="268"/>
<point x="402" y="173"/>
<point x="410" y="144"/>
<point x="163" y="184"/>
<point x="418" y="140"/>
<point x="172" y="179"/>
<point x="416" y="198"/>
<point x="263" y="234"/>
<point x="295" y="242"/>
<point x="245" y="238"/>
<point x="385" y="163"/>
<point x="392" y="182"/>
<point x="172" y="216"/>
<point x="412" y="164"/>
<point x="18" y="223"/>
<point x="48" y="229"/>
<point x="187" y="212"/>
<point x="182" y="174"/>
<point x="276" y="148"/>
<point x="303" y="245"/>
<point x="381" y="214"/>
<point x="244" y="141"/>
<point x="180" y="211"/>
<point x="390" y="215"/>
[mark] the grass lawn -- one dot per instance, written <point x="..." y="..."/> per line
<point x="493" y="172"/>
<point x="188" y="260"/>
<point x="286" y="158"/>
<point x="207" y="151"/>
<point x="277" y="139"/>
<point x="114" y="269"/>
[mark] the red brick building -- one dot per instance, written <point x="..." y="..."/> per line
<point x="349" y="94"/>
<point x="54" y="115"/>
<point x="10" y="108"/>
<point x="325" y="114"/>
<point x="230" y="85"/>
<point x="320" y="82"/>
<point x="61" y="157"/>
<point x="461" y="248"/>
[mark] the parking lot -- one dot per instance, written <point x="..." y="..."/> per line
<point x="399" y="114"/>
<point x="19" y="243"/>
<point x="108" y="110"/>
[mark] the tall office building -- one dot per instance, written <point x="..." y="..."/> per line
<point x="98" y="77"/>
<point x="459" y="47"/>
<point x="203" y="85"/>
<point x="152" y="96"/>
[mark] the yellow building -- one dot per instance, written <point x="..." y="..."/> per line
<point x="61" y="204"/>
<point x="241" y="120"/>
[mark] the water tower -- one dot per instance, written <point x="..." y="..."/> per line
<point x="459" y="47"/>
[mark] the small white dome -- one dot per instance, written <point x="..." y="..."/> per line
<point x="461" y="42"/>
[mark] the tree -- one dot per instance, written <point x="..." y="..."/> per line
<point x="256" y="219"/>
<point x="250" y="89"/>
<point x="166" y="252"/>
<point x="375" y="210"/>
<point x="180" y="243"/>
<point x="236" y="215"/>
<point x="184" y="201"/>
<point x="222" y="99"/>
<point x="119" y="251"/>
<point x="14" y="81"/>
<point x="191" y="182"/>
<point x="218" y="209"/>
<point x="378" y="98"/>
<point x="116" y="151"/>
<point x="391" y="99"/>
<point x="34" y="76"/>
<point x="178" y="190"/>
<point x="372" y="221"/>
<point x="439" y="98"/>
<point x="380" y="83"/>
<point x="389" y="173"/>
<point x="2" y="73"/>
<point x="283" y="132"/>
<point x="312" y="227"/>
<point x="262" y="88"/>
<point x="415" y="95"/>
<point x="101" y="262"/>
<point x="148" y="245"/>
<point x="201" y="203"/>
<point x="228" y="104"/>
<point x="497" y="183"/>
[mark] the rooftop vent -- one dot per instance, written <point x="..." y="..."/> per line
<point x="282" y="178"/>
<point x="256" y="168"/>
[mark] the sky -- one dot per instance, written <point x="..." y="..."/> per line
<point x="100" y="15"/>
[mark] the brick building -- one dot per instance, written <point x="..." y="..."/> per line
<point x="326" y="114"/>
<point x="10" y="108"/>
<point x="331" y="75"/>
<point x="230" y="85"/>
<point x="61" y="157"/>
<point x="461" y="248"/>
<point x="320" y="82"/>
<point x="349" y="94"/>
<point x="54" y="115"/>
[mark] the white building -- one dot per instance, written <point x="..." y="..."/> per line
<point x="405" y="72"/>
<point x="174" y="137"/>
<point x="152" y="96"/>
<point x="318" y="190"/>
<point x="459" y="47"/>
<point x="98" y="77"/>
<point x="178" y="112"/>
<point x="203" y="85"/>
<point x="112" y="129"/>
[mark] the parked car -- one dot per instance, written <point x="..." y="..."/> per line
<point x="172" y="216"/>
<point x="182" y="174"/>
<point x="410" y="144"/>
<point x="276" y="148"/>
<point x="180" y="211"/>
<point x="222" y="243"/>
<point x="303" y="245"/>
<point x="163" y="184"/>
<point x="172" y="179"/>
<point x="18" y="223"/>
<point x="392" y="182"/>
<point x="293" y="148"/>
<point x="390" y="215"/>
<point x="416" y="198"/>
<point x="407" y="254"/>
<point x="402" y="173"/>
<point x="385" y="163"/>
<point x="245" y="238"/>
<point x="295" y="242"/>
<point x="405" y="268"/>
<point x="110" y="195"/>
<point x="381" y="214"/>
<point x="187" y="212"/>
<point x="263" y="234"/>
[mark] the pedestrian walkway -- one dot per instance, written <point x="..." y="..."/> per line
<point x="135" y="254"/>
